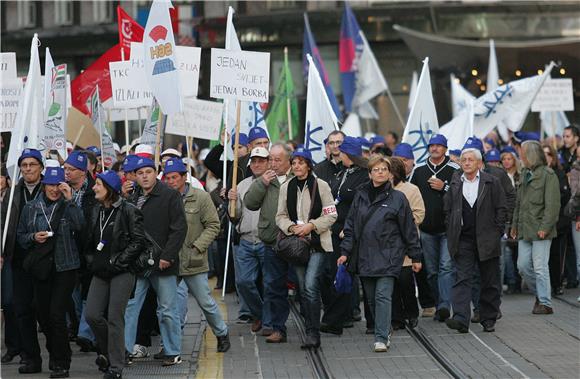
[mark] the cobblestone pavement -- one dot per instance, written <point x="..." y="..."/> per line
<point x="523" y="346"/>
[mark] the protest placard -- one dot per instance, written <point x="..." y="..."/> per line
<point x="554" y="95"/>
<point x="9" y="98"/>
<point x="240" y="75"/>
<point x="199" y="119"/>
<point x="129" y="85"/>
<point x="8" y="66"/>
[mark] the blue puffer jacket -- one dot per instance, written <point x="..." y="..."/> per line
<point x="32" y="220"/>
<point x="379" y="249"/>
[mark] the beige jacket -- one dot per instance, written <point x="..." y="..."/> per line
<point x="321" y="224"/>
<point x="413" y="195"/>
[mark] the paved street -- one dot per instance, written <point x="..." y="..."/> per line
<point x="523" y="346"/>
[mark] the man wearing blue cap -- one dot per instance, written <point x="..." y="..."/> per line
<point x="492" y="158"/>
<point x="203" y="226"/>
<point x="21" y="335"/>
<point x="164" y="220"/>
<point x="405" y="152"/>
<point x="433" y="178"/>
<point x="327" y="169"/>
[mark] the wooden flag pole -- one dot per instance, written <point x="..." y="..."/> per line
<point x="235" y="169"/>
<point x="188" y="145"/>
<point x="158" y="139"/>
<point x="127" y="141"/>
<point x="288" y="107"/>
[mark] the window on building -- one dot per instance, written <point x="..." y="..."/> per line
<point x="102" y="11"/>
<point x="26" y="14"/>
<point x="63" y="12"/>
<point x="281" y="4"/>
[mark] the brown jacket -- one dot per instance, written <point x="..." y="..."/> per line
<point x="413" y="195"/>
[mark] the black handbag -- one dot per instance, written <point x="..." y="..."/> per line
<point x="144" y="265"/>
<point x="294" y="249"/>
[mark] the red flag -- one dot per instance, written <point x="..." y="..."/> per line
<point x="129" y="30"/>
<point x="96" y="74"/>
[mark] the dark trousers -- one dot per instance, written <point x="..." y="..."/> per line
<point x="405" y="305"/>
<point x="337" y="306"/>
<point x="148" y="321"/>
<point x="426" y="298"/>
<point x="110" y="296"/>
<point x="25" y="316"/>
<point x="465" y="264"/>
<point x="51" y="298"/>
<point x="556" y="260"/>
<point x="11" y="332"/>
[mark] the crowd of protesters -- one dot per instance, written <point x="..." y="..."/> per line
<point x="108" y="258"/>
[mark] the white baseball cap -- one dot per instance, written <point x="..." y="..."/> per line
<point x="145" y="151"/>
<point x="259" y="152"/>
<point x="171" y="152"/>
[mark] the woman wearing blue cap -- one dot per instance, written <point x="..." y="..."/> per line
<point x="46" y="230"/>
<point x="114" y="244"/>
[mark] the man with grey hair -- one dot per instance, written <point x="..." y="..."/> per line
<point x="534" y="223"/>
<point x="263" y="196"/>
<point x="475" y="211"/>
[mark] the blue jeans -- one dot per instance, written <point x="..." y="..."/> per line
<point x="249" y="258"/>
<point x="439" y="267"/>
<point x="167" y="312"/>
<point x="244" y="310"/>
<point x="576" y="240"/>
<point x="509" y="271"/>
<point x="182" y="303"/>
<point x="309" y="284"/>
<point x="199" y="288"/>
<point x="533" y="259"/>
<point x="275" y="291"/>
<point x="379" y="295"/>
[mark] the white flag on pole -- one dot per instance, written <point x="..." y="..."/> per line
<point x="553" y="123"/>
<point x="366" y="110"/>
<point x="460" y="97"/>
<point x="370" y="81"/>
<point x="460" y="128"/>
<point x="320" y="117"/>
<point x="492" y="69"/>
<point x="160" y="58"/>
<point x="30" y="110"/>
<point x="149" y="135"/>
<point x="351" y="126"/>
<point x="108" y="154"/>
<point x="53" y="134"/>
<point x="48" y="66"/>
<point x="422" y="122"/>
<point x="508" y="105"/>
<point x="412" y="91"/>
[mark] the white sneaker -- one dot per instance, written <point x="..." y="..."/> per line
<point x="140" y="351"/>
<point x="380" y="347"/>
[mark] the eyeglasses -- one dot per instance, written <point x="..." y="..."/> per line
<point x="29" y="165"/>
<point x="376" y="170"/>
<point x="335" y="143"/>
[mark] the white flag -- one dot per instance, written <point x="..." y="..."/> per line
<point x="460" y="97"/>
<point x="30" y="111"/>
<point x="412" y="92"/>
<point x="351" y="126"/>
<point x="48" y="66"/>
<point x="460" y="128"/>
<point x="149" y="136"/>
<point x="422" y="122"/>
<point x="53" y="134"/>
<point x="553" y="123"/>
<point x="370" y="81"/>
<point x="320" y="117"/>
<point x="366" y="110"/>
<point x="160" y="58"/>
<point x="108" y="154"/>
<point x="508" y="104"/>
<point x="492" y="69"/>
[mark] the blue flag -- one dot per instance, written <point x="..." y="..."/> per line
<point x="350" y="48"/>
<point x="309" y="47"/>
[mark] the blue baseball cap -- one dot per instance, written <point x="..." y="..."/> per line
<point x="455" y="152"/>
<point x="473" y="143"/>
<point x="243" y="140"/>
<point x="31" y="153"/>
<point x="364" y="143"/>
<point x="174" y="165"/>
<point x="111" y="179"/>
<point x="404" y="150"/>
<point x="438" y="139"/>
<point x="521" y="137"/>
<point x="53" y="175"/>
<point x="129" y="163"/>
<point x="492" y="156"/>
<point x="255" y="133"/>
<point x="377" y="139"/>
<point x="351" y="146"/>
<point x="144" y="162"/>
<point x="490" y="142"/>
<point x="509" y="149"/>
<point x="78" y="160"/>
<point x="301" y="152"/>
<point x="95" y="150"/>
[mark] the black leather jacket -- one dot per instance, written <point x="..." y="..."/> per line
<point x="128" y="237"/>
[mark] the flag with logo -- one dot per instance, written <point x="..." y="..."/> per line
<point x="349" y="50"/>
<point x="108" y="154"/>
<point x="370" y="81"/>
<point x="460" y="128"/>
<point x="160" y="58"/>
<point x="493" y="83"/>
<point x="422" y="122"/>
<point x="129" y="30"/>
<point x="320" y="116"/>
<point x="53" y="135"/>
<point x="460" y="97"/>
<point x="29" y="118"/>
<point x="149" y="136"/>
<point x="284" y="111"/>
<point x="509" y="104"/>
<point x="310" y="48"/>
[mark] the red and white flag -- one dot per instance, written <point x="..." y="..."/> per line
<point x="129" y="30"/>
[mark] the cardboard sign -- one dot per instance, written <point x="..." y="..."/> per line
<point x="199" y="119"/>
<point x="240" y="75"/>
<point x="129" y="85"/>
<point x="9" y="98"/>
<point x="554" y="95"/>
<point x="8" y="66"/>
